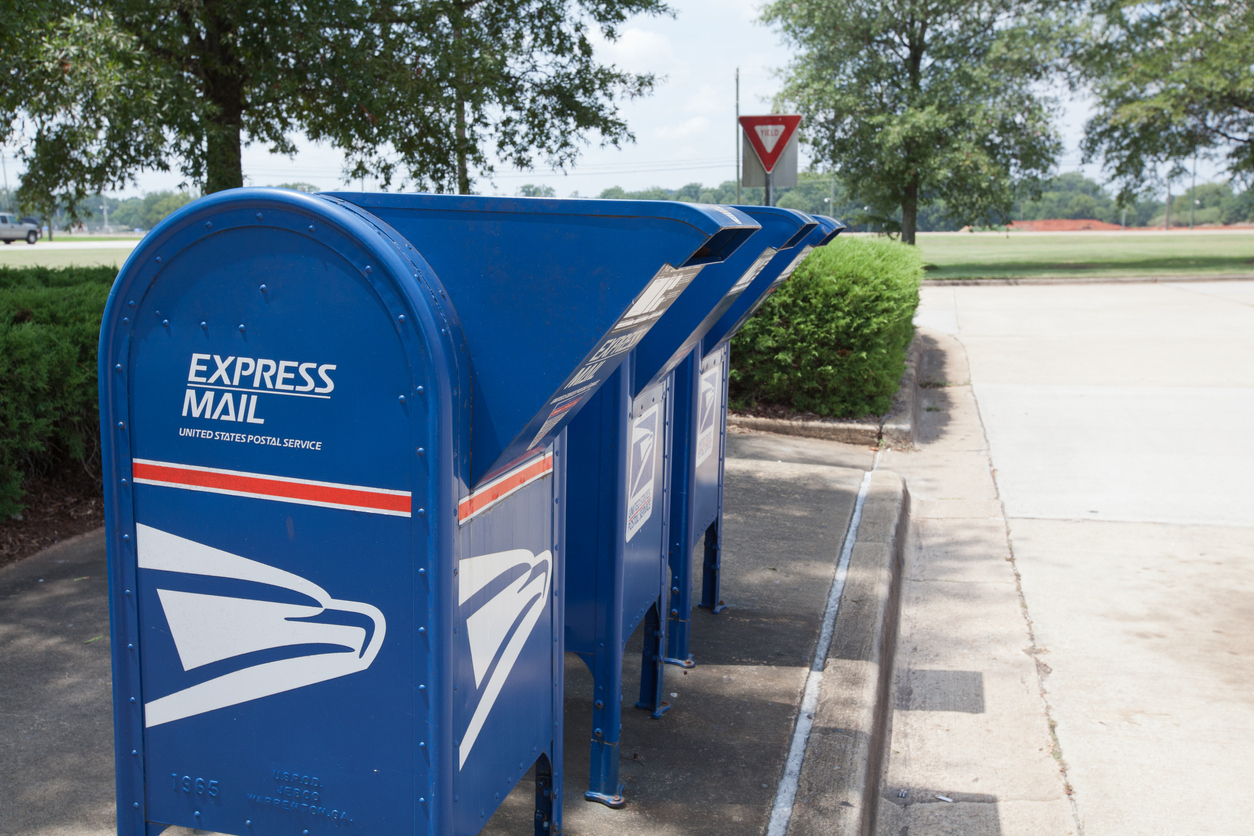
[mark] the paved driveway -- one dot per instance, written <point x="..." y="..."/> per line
<point x="1119" y="422"/>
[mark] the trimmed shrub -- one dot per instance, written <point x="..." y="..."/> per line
<point x="49" y="328"/>
<point x="832" y="339"/>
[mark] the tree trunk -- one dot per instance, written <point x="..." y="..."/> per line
<point x="224" y="90"/>
<point x="910" y="211"/>
<point x="223" y="163"/>
<point x="459" y="117"/>
<point x="1167" y="222"/>
<point x="463" y="174"/>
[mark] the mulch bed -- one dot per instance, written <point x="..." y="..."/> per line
<point x="57" y="507"/>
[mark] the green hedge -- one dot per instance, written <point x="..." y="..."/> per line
<point x="832" y="339"/>
<point x="49" y="327"/>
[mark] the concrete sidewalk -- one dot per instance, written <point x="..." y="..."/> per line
<point x="971" y="749"/>
<point x="712" y="765"/>
<point x="1117" y="423"/>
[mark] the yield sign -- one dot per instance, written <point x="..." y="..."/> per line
<point x="769" y="136"/>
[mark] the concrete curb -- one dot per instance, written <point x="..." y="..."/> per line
<point x="896" y="429"/>
<point x="850" y="432"/>
<point x="839" y="787"/>
<point x="1059" y="280"/>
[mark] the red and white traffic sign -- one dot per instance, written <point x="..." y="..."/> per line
<point x="769" y="135"/>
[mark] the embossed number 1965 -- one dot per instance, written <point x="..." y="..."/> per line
<point x="190" y="785"/>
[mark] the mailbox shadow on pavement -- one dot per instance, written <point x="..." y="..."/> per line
<point x="714" y="765"/>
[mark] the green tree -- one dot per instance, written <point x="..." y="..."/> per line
<point x="1171" y="80"/>
<point x="420" y="91"/>
<point x="914" y="102"/>
<point x="532" y="190"/>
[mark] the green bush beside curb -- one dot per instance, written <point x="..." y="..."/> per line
<point x="49" y="330"/>
<point x="832" y="339"/>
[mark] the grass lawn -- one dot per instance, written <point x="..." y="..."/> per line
<point x="986" y="255"/>
<point x="28" y="256"/>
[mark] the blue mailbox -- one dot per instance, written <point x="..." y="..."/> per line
<point x="335" y="500"/>
<point x="663" y="348"/>
<point x="617" y="516"/>
<point x="701" y="430"/>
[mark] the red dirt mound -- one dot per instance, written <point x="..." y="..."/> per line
<point x="1059" y="225"/>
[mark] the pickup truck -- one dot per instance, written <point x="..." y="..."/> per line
<point x="13" y="228"/>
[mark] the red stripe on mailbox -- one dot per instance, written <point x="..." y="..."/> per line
<point x="279" y="488"/>
<point x="488" y="495"/>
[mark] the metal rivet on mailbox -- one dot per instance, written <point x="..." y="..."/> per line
<point x="166" y="323"/>
<point x="204" y="326"/>
<point x="368" y="268"/>
<point x="208" y="224"/>
<point x="401" y="318"/>
<point x="121" y="425"/>
<point x="241" y="329"/>
<point x="401" y="398"/>
<point x="158" y="259"/>
<point x="118" y="367"/>
<point x="421" y="390"/>
<point x="258" y="216"/>
<point x="422" y="512"/>
<point x="263" y="288"/>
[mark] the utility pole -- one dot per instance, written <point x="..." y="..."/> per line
<point x="8" y="196"/>
<point x="1193" y="193"/>
<point x="738" y="135"/>
<point x="1167" y="222"/>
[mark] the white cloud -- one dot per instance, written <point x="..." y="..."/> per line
<point x="711" y="100"/>
<point x="637" y="50"/>
<point x="686" y="128"/>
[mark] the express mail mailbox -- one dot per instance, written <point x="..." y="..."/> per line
<point x="700" y="444"/>
<point x="333" y="608"/>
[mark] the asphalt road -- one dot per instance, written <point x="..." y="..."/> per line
<point x="1118" y="423"/>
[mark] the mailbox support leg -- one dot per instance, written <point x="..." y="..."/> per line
<point x="607" y="721"/>
<point x="712" y="565"/>
<point x="545" y="826"/>
<point x="712" y="568"/>
<point x="653" y="665"/>
<point x="681" y="514"/>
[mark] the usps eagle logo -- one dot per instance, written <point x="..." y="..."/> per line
<point x="282" y="610"/>
<point x="501" y="597"/>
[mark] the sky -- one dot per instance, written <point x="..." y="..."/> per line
<point x="685" y="132"/>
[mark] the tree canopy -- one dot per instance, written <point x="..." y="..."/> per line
<point x="1171" y="80"/>
<point x="915" y="102"/>
<point x="419" y="92"/>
